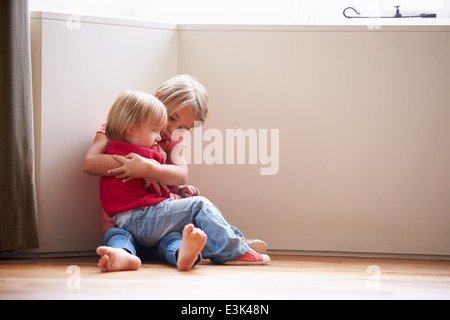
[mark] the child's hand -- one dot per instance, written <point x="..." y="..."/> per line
<point x="134" y="166"/>
<point x="156" y="185"/>
<point x="188" y="191"/>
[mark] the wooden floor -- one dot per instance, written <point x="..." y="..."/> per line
<point x="285" y="278"/>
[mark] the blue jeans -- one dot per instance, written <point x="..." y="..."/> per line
<point x="150" y="225"/>
<point x="166" y="250"/>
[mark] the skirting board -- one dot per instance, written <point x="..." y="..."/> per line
<point x="45" y="255"/>
<point x="358" y="255"/>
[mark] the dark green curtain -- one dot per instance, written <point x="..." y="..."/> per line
<point x="18" y="210"/>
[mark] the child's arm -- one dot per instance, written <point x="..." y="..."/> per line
<point x="135" y="166"/>
<point x="96" y="161"/>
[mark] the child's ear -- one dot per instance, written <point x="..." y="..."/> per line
<point x="130" y="131"/>
<point x="157" y="94"/>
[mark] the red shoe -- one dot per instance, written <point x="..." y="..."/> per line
<point x="257" y="245"/>
<point x="251" y="257"/>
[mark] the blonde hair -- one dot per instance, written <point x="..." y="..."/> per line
<point x="132" y="108"/>
<point x="184" y="91"/>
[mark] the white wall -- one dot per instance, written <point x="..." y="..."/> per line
<point x="364" y="119"/>
<point x="79" y="68"/>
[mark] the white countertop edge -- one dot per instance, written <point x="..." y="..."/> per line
<point x="111" y="20"/>
<point x="420" y="25"/>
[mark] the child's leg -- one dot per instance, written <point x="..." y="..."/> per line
<point x="255" y="244"/>
<point x="183" y="249"/>
<point x="168" y="248"/>
<point x="237" y="232"/>
<point x="193" y="242"/>
<point x="118" y="252"/>
<point x="149" y="225"/>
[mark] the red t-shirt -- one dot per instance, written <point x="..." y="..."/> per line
<point x="118" y="197"/>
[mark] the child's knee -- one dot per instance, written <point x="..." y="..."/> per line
<point x="204" y="201"/>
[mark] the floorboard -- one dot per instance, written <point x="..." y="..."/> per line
<point x="285" y="278"/>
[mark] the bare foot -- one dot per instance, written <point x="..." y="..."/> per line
<point x="115" y="259"/>
<point x="192" y="244"/>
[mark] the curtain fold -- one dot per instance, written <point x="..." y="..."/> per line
<point x="18" y="209"/>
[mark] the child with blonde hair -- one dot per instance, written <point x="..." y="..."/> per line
<point x="186" y="101"/>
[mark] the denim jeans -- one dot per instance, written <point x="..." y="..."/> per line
<point x="150" y="225"/>
<point x="165" y="251"/>
<point x="119" y="238"/>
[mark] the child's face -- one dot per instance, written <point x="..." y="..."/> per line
<point x="144" y="136"/>
<point x="182" y="120"/>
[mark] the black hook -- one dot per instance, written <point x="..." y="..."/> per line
<point x="351" y="8"/>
